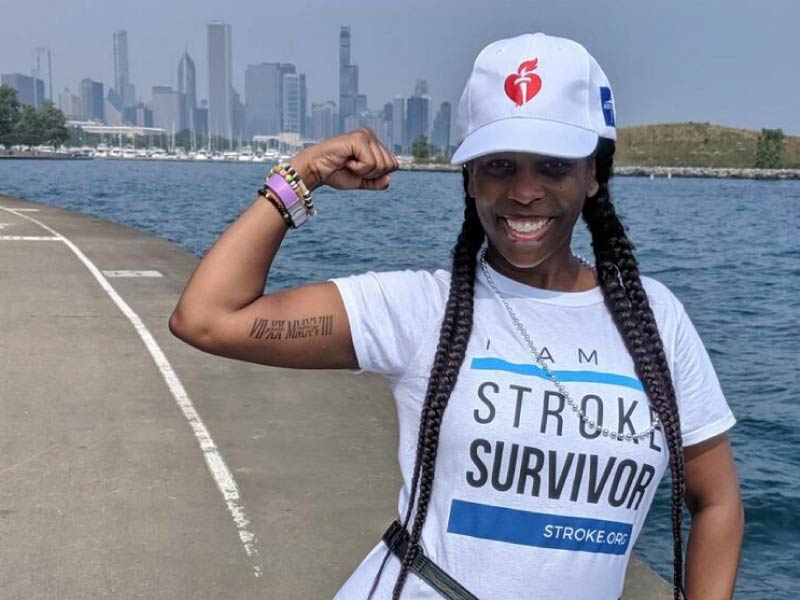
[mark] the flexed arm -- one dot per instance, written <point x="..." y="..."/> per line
<point x="223" y="309"/>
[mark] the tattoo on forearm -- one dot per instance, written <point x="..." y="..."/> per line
<point x="281" y="329"/>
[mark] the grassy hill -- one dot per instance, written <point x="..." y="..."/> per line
<point x="695" y="145"/>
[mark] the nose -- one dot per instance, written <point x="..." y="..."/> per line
<point x="526" y="185"/>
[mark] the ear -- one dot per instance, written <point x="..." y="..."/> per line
<point x="592" y="187"/>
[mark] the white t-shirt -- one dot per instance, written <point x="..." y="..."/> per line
<point x="526" y="500"/>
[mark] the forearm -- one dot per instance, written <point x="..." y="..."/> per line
<point x="234" y="271"/>
<point x="712" y="556"/>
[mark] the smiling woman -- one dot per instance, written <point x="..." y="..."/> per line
<point x="546" y="488"/>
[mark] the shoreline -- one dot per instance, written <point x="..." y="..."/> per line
<point x="620" y="171"/>
<point x="653" y="172"/>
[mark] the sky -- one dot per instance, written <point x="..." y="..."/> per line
<point x="728" y="62"/>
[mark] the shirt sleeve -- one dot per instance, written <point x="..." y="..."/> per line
<point x="389" y="313"/>
<point x="702" y="407"/>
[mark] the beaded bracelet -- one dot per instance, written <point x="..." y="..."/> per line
<point x="293" y="178"/>
<point x="269" y="195"/>
<point x="305" y="191"/>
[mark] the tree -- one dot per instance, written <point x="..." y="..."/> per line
<point x="29" y="130"/>
<point x="769" y="151"/>
<point x="419" y="148"/>
<point x="9" y="113"/>
<point x="54" y="125"/>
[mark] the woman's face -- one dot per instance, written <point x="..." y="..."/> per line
<point x="541" y="195"/>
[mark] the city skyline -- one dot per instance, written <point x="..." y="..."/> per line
<point x="719" y="62"/>
<point x="275" y="100"/>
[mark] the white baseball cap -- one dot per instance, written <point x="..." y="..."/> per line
<point x="534" y="93"/>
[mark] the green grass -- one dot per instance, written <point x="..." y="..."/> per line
<point x="695" y="145"/>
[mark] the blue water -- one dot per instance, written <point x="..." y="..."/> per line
<point x="728" y="249"/>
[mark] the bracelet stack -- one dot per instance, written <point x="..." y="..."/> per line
<point x="286" y="191"/>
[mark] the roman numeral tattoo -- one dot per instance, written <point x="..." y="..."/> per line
<point x="282" y="329"/>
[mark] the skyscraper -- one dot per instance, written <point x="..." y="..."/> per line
<point x="188" y="90"/>
<point x="348" y="79"/>
<point x="323" y="120"/>
<point x="92" y="100"/>
<point x="122" y="80"/>
<point x="70" y="104"/>
<point x="201" y="118"/>
<point x="263" y="99"/>
<point x="417" y="118"/>
<point x="440" y="137"/>
<point x="398" y="124"/>
<point x="220" y="81"/>
<point x="27" y="92"/>
<point x="291" y="102"/>
<point x="43" y="69"/>
<point x="303" y="106"/>
<point x="166" y="108"/>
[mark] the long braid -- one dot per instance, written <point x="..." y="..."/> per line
<point x="451" y="349"/>
<point x="627" y="300"/>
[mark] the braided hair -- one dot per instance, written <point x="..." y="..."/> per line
<point x="625" y="297"/>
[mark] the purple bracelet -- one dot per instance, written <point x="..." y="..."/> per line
<point x="288" y="198"/>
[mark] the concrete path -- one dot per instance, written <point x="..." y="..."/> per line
<point x="134" y="466"/>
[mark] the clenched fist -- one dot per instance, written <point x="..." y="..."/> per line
<point x="355" y="160"/>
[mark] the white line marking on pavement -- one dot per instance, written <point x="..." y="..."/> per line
<point x="29" y="238"/>
<point x="216" y="464"/>
<point x="26" y="209"/>
<point x="132" y="274"/>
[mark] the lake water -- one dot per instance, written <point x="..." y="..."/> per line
<point x="728" y="249"/>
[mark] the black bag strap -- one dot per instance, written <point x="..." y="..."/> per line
<point x="397" y="539"/>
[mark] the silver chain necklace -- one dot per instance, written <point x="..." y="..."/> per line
<point x="573" y="405"/>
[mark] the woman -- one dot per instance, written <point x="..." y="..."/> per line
<point x="540" y="398"/>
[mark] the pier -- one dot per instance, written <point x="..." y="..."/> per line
<point x="135" y="466"/>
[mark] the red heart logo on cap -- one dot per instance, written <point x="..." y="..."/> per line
<point x="524" y="84"/>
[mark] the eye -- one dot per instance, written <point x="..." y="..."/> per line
<point x="500" y="164"/>
<point x="556" y="167"/>
<point x="556" y="164"/>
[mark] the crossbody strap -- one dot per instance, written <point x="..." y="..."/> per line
<point x="397" y="539"/>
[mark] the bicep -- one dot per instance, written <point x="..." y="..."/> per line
<point x="305" y="327"/>
<point x="710" y="473"/>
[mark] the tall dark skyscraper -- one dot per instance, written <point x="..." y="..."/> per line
<point x="398" y="124"/>
<point x="348" y="79"/>
<point x="220" y="81"/>
<point x="440" y="137"/>
<point x="303" y="107"/>
<point x="92" y="100"/>
<point x="418" y="108"/>
<point x="188" y="90"/>
<point x="122" y="78"/>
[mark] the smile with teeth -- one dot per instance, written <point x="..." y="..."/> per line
<point x="527" y="230"/>
<point x="527" y="225"/>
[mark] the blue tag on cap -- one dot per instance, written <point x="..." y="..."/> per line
<point x="607" y="104"/>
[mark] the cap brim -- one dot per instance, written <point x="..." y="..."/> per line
<point x="525" y="134"/>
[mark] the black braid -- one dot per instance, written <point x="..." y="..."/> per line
<point x="627" y="301"/>
<point x="453" y="337"/>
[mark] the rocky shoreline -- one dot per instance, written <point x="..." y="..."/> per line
<point x="653" y="172"/>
